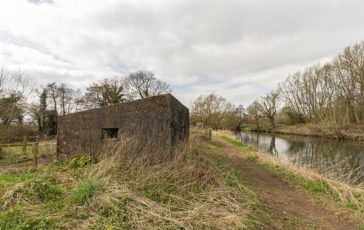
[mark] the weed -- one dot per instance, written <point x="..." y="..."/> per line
<point x="316" y="186"/>
<point x="43" y="188"/>
<point x="294" y="222"/>
<point x="351" y="205"/>
<point x="13" y="219"/>
<point x="358" y="215"/>
<point x="80" y="160"/>
<point x="253" y="158"/>
<point x="317" y="200"/>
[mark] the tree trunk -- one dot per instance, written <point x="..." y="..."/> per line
<point x="273" y="125"/>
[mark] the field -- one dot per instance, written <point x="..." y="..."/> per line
<point x="195" y="191"/>
<point x="202" y="188"/>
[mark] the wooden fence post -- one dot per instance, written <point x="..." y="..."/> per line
<point x="57" y="150"/>
<point x="25" y="140"/>
<point x="35" y="154"/>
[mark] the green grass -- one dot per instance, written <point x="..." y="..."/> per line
<point x="11" y="154"/>
<point x="244" y="148"/>
<point x="10" y="179"/>
<point x="253" y="158"/>
<point x="351" y="205"/>
<point x="14" y="154"/>
<point x="85" y="192"/>
<point x="315" y="186"/>
<point x="359" y="214"/>
<point x="361" y="226"/>
<point x="294" y="222"/>
<point x="15" y="219"/>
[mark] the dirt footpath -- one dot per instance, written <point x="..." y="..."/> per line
<point x="291" y="208"/>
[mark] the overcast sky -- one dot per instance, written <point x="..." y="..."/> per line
<point x="238" y="49"/>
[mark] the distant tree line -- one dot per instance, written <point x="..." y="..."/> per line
<point x="331" y="95"/>
<point x="27" y="109"/>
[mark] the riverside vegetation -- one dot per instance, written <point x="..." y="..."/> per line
<point x="199" y="189"/>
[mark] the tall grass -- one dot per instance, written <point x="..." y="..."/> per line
<point x="188" y="191"/>
<point x="134" y="187"/>
<point x="85" y="192"/>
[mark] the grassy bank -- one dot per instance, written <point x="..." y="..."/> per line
<point x="197" y="190"/>
<point x="354" y="132"/>
<point x="322" y="189"/>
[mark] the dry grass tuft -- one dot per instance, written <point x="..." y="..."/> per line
<point x="180" y="192"/>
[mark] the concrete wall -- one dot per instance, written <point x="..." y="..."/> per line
<point x="161" y="121"/>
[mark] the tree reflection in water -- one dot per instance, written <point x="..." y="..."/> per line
<point x="342" y="160"/>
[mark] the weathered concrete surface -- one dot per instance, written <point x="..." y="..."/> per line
<point x="159" y="123"/>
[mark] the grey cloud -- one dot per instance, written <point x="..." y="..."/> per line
<point x="245" y="46"/>
<point x="40" y="1"/>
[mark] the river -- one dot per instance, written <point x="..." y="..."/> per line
<point x="340" y="160"/>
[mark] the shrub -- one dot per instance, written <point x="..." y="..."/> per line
<point x="80" y="160"/>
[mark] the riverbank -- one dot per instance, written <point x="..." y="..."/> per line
<point x="323" y="193"/>
<point x="353" y="133"/>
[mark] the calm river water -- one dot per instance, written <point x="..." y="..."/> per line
<point x="342" y="160"/>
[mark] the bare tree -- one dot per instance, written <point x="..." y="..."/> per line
<point x="15" y="89"/>
<point x="106" y="92"/>
<point x="53" y="93"/>
<point x="38" y="111"/>
<point x="349" y="72"/>
<point x="254" y="111"/>
<point x="68" y="99"/>
<point x="143" y="84"/>
<point x="268" y="106"/>
<point x="332" y="94"/>
<point x="240" y="116"/>
<point x="213" y="111"/>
